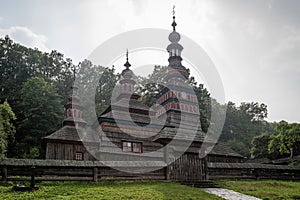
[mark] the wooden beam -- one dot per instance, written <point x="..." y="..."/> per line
<point x="95" y="173"/>
<point x="4" y="174"/>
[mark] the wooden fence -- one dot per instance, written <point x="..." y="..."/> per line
<point x="252" y="171"/>
<point x="70" y="170"/>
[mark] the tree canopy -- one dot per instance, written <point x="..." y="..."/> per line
<point x="288" y="139"/>
<point x="42" y="105"/>
<point x="7" y="129"/>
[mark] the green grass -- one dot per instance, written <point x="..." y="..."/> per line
<point x="264" y="189"/>
<point x="107" y="190"/>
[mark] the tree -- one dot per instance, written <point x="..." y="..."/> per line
<point x="7" y="129"/>
<point x="106" y="85"/>
<point x="19" y="64"/>
<point x="288" y="138"/>
<point x="42" y="115"/>
<point x="204" y="103"/>
<point x="150" y="86"/>
<point x="96" y="84"/>
<point x="242" y="123"/>
<point x="260" y="146"/>
<point x="256" y="111"/>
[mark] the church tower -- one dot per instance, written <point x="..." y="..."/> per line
<point x="74" y="116"/>
<point x="127" y="83"/>
<point x="178" y="100"/>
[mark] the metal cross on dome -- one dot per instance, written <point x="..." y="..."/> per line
<point x="173" y="10"/>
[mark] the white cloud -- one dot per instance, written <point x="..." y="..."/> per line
<point x="26" y="37"/>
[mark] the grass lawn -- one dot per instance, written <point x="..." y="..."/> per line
<point x="264" y="189"/>
<point x="107" y="190"/>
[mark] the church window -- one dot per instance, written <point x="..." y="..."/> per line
<point x="135" y="147"/>
<point x="78" y="155"/>
<point x="127" y="146"/>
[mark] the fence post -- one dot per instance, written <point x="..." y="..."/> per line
<point x="167" y="168"/>
<point x="206" y="172"/>
<point x="95" y="173"/>
<point x="32" y="181"/>
<point x="4" y="174"/>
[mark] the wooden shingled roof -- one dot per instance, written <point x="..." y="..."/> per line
<point x="76" y="134"/>
<point x="170" y="133"/>
<point x="222" y="150"/>
<point x="138" y="112"/>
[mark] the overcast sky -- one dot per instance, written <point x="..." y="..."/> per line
<point x="255" y="45"/>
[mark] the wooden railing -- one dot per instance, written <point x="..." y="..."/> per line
<point x="70" y="170"/>
<point x="252" y="171"/>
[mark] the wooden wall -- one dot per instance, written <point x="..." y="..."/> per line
<point x="65" y="151"/>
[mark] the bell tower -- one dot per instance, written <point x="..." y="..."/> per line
<point x="178" y="100"/>
<point x="73" y="108"/>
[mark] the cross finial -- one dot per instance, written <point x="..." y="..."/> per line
<point x="173" y="11"/>
<point x="174" y="23"/>
<point x="127" y="64"/>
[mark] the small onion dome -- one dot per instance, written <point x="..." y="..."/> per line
<point x="174" y="46"/>
<point x="174" y="37"/>
<point x="127" y="74"/>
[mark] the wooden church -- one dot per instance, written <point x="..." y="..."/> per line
<point x="128" y="130"/>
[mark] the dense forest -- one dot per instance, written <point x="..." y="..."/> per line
<point x="34" y="87"/>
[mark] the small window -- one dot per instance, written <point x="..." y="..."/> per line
<point x="135" y="147"/>
<point x="127" y="146"/>
<point x="78" y="156"/>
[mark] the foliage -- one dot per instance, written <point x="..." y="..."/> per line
<point x="264" y="189"/>
<point x="42" y="105"/>
<point x="288" y="138"/>
<point x="96" y="84"/>
<point x="106" y="84"/>
<point x="19" y="64"/>
<point x="109" y="190"/>
<point x="205" y="105"/>
<point x="242" y="123"/>
<point x="260" y="148"/>
<point x="150" y="86"/>
<point x="7" y="129"/>
<point x="295" y="162"/>
<point x="256" y="111"/>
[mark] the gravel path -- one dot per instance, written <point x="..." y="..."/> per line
<point x="229" y="194"/>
